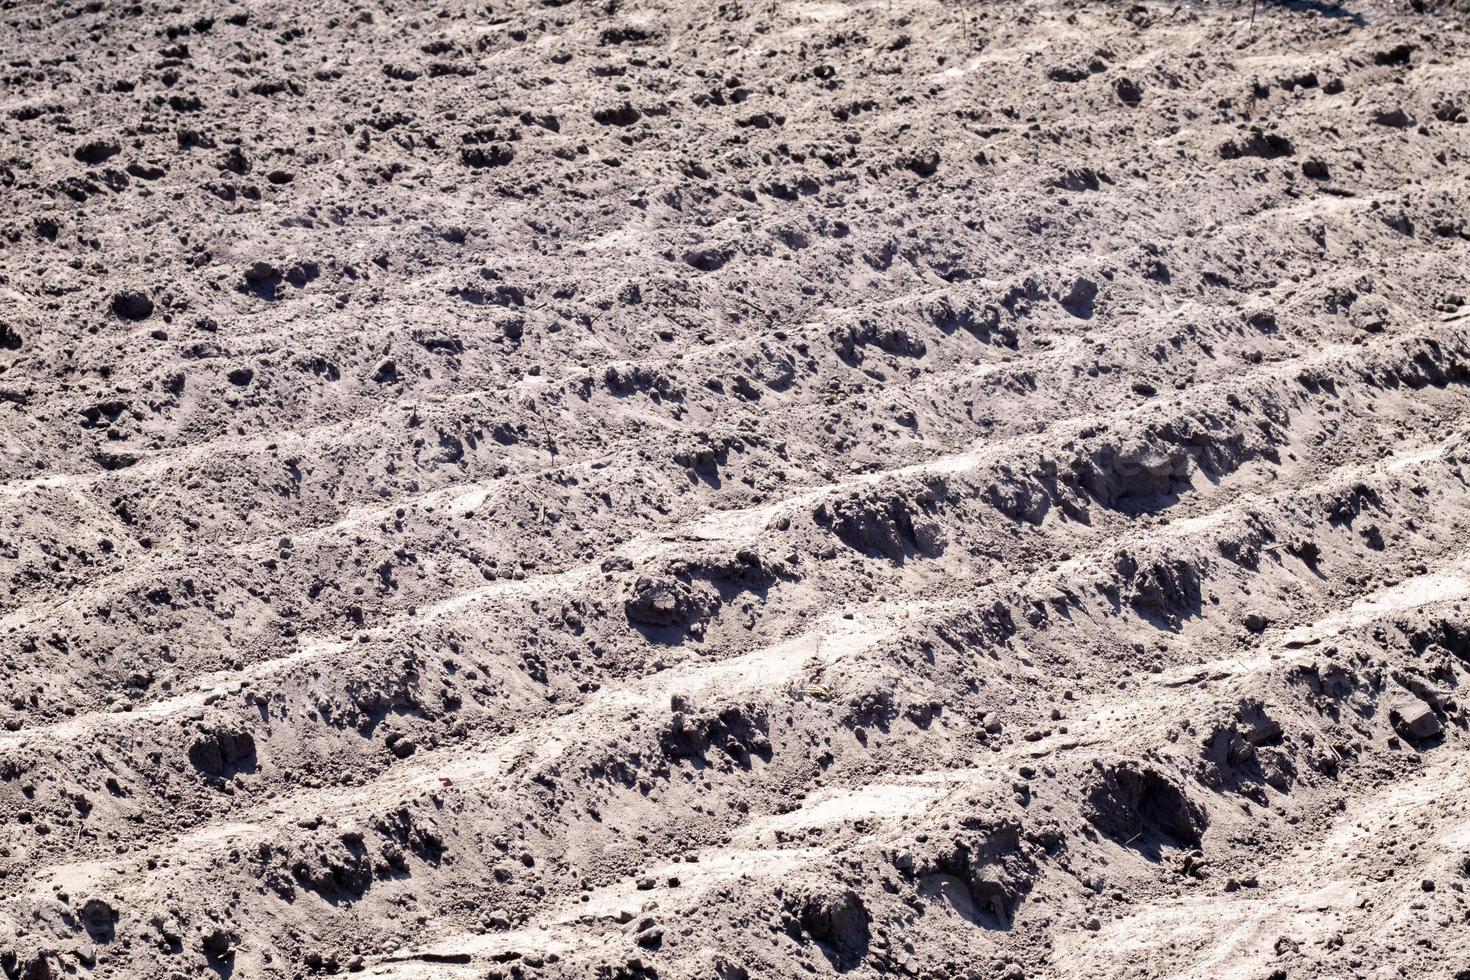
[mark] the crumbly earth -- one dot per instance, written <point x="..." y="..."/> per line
<point x="555" y="489"/>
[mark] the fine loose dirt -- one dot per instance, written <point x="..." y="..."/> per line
<point x="633" y="489"/>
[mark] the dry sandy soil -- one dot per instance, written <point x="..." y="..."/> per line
<point x="634" y="489"/>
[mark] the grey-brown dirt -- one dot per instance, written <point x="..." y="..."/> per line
<point x="555" y="489"/>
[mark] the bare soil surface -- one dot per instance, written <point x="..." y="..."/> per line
<point x="555" y="489"/>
